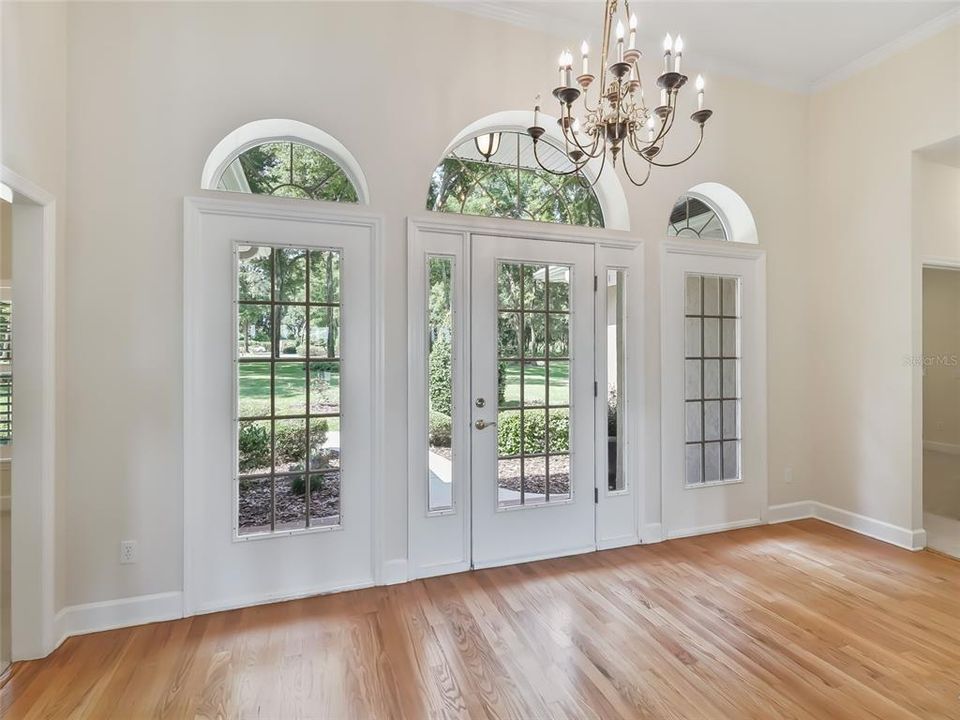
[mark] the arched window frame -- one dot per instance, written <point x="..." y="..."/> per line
<point x="609" y="191"/>
<point x="735" y="216"/>
<point x="259" y="132"/>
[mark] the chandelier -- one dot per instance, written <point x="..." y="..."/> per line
<point x="619" y="123"/>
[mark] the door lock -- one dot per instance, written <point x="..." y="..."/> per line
<point x="481" y="424"/>
<point x="480" y="402"/>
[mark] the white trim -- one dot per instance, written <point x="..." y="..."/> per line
<point x="861" y="524"/>
<point x="33" y="561"/>
<point x="609" y="191"/>
<point x="791" y="511"/>
<point x="875" y="57"/>
<point x="734" y="213"/>
<point x="273" y="208"/>
<point x="426" y="571"/>
<point x="394" y="572"/>
<point x="270" y="598"/>
<point x="123" y="612"/>
<point x="651" y="533"/>
<point x="710" y="529"/>
<point x="276" y="129"/>
<point x="617" y="542"/>
<point x="877" y="529"/>
<point x="685" y="246"/>
<point x="520" y="559"/>
<point x="941" y="447"/>
<point x="505" y="227"/>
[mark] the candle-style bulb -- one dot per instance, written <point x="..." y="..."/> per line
<point x="699" y="82"/>
<point x="561" y="59"/>
<point x="668" y="43"/>
<point x="633" y="32"/>
<point x="584" y="49"/>
<point x="678" y="45"/>
<point x="633" y="21"/>
<point x="620" y="30"/>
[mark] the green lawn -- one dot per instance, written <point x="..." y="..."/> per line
<point x="536" y="385"/>
<point x="291" y="393"/>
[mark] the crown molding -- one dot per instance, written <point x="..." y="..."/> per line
<point x="522" y="18"/>
<point x="877" y="56"/>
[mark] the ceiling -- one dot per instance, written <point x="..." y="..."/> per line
<point x="792" y="45"/>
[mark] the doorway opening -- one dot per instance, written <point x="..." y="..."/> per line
<point x="941" y="408"/>
<point x="6" y="429"/>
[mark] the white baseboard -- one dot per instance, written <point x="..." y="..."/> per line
<point x="437" y="569"/>
<point x="708" y="529"/>
<point x="942" y="447"/>
<point x="275" y="597"/>
<point x="617" y="542"/>
<point x="394" y="572"/>
<point x="877" y="529"/>
<point x="791" y="511"/>
<point x="651" y="533"/>
<point x="112" y="614"/>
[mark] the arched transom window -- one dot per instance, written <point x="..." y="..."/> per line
<point x="496" y="175"/>
<point x="694" y="218"/>
<point x="287" y="169"/>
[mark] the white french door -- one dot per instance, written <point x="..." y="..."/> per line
<point x="279" y="395"/>
<point x="531" y="399"/>
<point x="713" y="391"/>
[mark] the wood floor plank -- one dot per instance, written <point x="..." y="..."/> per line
<point x="800" y="621"/>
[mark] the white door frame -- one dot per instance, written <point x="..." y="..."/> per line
<point x="732" y="250"/>
<point x="193" y="287"/>
<point x="33" y="484"/>
<point x="459" y="229"/>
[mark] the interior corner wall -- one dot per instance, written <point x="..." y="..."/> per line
<point x="33" y="118"/>
<point x="860" y="244"/>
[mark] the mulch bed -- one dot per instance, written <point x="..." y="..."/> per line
<point x="255" y="503"/>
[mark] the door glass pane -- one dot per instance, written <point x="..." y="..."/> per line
<point x="533" y="372"/>
<point x="712" y="378"/>
<point x="288" y="404"/>
<point x="440" y="382"/>
<point x="616" y="364"/>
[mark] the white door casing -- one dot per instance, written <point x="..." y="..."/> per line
<point x="711" y="507"/>
<point x="222" y="570"/>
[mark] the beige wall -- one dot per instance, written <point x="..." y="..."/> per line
<point x="33" y="118"/>
<point x="153" y="87"/>
<point x="860" y="245"/>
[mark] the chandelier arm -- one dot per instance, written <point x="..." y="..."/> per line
<point x="592" y="183"/>
<point x="646" y="177"/>
<point x="680" y="162"/>
<point x="576" y="167"/>
<point x="573" y="139"/>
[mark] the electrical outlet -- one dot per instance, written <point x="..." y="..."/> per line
<point x="128" y="552"/>
<point x="788" y="475"/>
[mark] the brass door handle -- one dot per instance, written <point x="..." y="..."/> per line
<point x="481" y="424"/>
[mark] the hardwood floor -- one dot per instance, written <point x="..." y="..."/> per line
<point x="801" y="620"/>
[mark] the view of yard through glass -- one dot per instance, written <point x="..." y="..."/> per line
<point x="288" y="388"/>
